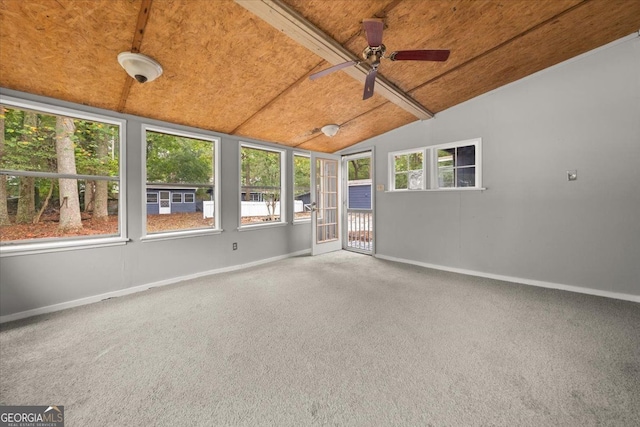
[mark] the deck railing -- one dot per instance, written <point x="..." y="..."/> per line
<point x="360" y="230"/>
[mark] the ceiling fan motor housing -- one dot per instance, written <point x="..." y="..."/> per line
<point x="374" y="53"/>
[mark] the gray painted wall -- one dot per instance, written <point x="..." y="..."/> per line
<point x="34" y="281"/>
<point x="531" y="222"/>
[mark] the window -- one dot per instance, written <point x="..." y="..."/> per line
<point x="261" y="185"/>
<point x="152" y="198"/>
<point x="301" y="187"/>
<point x="448" y="166"/>
<point x="178" y="165"/>
<point x="59" y="178"/>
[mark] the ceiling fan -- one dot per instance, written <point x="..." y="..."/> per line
<point x="376" y="50"/>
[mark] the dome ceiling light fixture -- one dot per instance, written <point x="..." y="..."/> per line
<point x="330" y="130"/>
<point x="139" y="66"/>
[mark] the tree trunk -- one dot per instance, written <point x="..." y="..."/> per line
<point x="247" y="180"/>
<point x="69" y="201"/>
<point x="89" y="192"/>
<point x="101" y="195"/>
<point x="27" y="201"/>
<point x="4" y="212"/>
<point x="45" y="204"/>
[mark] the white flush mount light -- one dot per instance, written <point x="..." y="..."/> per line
<point x="139" y="66"/>
<point x="330" y="130"/>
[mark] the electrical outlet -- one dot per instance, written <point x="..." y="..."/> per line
<point x="235" y="246"/>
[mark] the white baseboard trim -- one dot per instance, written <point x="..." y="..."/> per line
<point x="140" y="288"/>
<point x="539" y="283"/>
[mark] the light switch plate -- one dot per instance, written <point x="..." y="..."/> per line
<point x="380" y="187"/>
<point x="572" y="175"/>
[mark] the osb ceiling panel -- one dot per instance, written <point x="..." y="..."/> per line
<point x="333" y="99"/>
<point x="465" y="28"/>
<point x="374" y="122"/>
<point x="227" y="70"/>
<point x="66" y="49"/>
<point x="564" y="38"/>
<point x="222" y="64"/>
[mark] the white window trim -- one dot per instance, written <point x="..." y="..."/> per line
<point x="293" y="186"/>
<point x="430" y="167"/>
<point x="173" y="234"/>
<point x="73" y="243"/>
<point x="283" y="188"/>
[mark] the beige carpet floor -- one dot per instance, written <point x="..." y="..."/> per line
<point x="340" y="339"/>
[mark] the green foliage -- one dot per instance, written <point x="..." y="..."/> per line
<point x="260" y="168"/>
<point x="359" y="169"/>
<point x="179" y="160"/>
<point x="302" y="175"/>
<point x="408" y="162"/>
<point x="96" y="148"/>
<point x="30" y="145"/>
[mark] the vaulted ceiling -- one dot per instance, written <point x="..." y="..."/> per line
<point x="227" y="70"/>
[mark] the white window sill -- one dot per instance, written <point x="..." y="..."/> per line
<point x="438" y="190"/>
<point x="301" y="221"/>
<point x="261" y="226"/>
<point x="172" y="235"/>
<point x="18" y="249"/>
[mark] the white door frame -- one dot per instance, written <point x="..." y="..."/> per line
<point x="326" y="202"/>
<point x="370" y="250"/>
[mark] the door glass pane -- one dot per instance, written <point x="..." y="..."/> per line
<point x="326" y="187"/>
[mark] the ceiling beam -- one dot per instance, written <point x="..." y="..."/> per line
<point x="294" y="25"/>
<point x="141" y="24"/>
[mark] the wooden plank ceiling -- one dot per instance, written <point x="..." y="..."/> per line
<point x="227" y="70"/>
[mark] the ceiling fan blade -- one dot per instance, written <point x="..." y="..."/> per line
<point x="419" y="55"/>
<point x="331" y="70"/>
<point x="373" y="30"/>
<point x="369" y="83"/>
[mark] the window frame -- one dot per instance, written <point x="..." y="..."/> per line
<point x="393" y="173"/>
<point x="283" y="188"/>
<point x="77" y="242"/>
<point x="156" y="195"/>
<point x="293" y="186"/>
<point x="430" y="166"/>
<point x="477" y="143"/>
<point x="173" y="197"/>
<point x="171" y="234"/>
